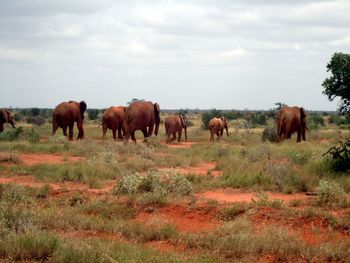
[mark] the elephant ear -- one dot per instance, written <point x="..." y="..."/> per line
<point x="157" y="112"/>
<point x="303" y="116"/>
<point x="5" y="115"/>
<point x="82" y="106"/>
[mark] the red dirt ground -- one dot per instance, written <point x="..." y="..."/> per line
<point x="32" y="159"/>
<point x="181" y="145"/>
<point x="185" y="219"/>
<point x="237" y="195"/>
<point x="202" y="169"/>
<point x="57" y="187"/>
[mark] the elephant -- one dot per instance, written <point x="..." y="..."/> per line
<point x="113" y="119"/>
<point x="290" y="120"/>
<point x="174" y="124"/>
<point x="6" y="116"/>
<point x="217" y="126"/>
<point x="65" y="114"/>
<point x="144" y="116"/>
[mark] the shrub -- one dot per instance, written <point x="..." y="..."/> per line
<point x="340" y="156"/>
<point x="37" y="246"/>
<point x="231" y="212"/>
<point x="314" y="120"/>
<point x="11" y="135"/>
<point x="331" y="194"/>
<point x="269" y="134"/>
<point x="177" y="183"/>
<point x="37" y="120"/>
<point x="33" y="136"/>
<point x="93" y="114"/>
<point x="129" y="184"/>
<point x="298" y="157"/>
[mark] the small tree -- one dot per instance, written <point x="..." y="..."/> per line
<point x="338" y="84"/>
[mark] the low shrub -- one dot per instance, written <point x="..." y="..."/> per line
<point x="269" y="134"/>
<point x="331" y="194"/>
<point x="11" y="134"/>
<point x="339" y="156"/>
<point x="231" y="212"/>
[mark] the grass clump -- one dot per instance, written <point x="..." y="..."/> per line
<point x="162" y="183"/>
<point x="231" y="212"/>
<point x="33" y="245"/>
<point x="331" y="194"/>
<point x="269" y="134"/>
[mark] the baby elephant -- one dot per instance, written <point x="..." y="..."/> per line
<point x="216" y="126"/>
<point x="174" y="124"/>
<point x="6" y="116"/>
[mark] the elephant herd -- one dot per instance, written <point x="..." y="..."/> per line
<point x="145" y="116"/>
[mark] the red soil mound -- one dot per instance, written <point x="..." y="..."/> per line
<point x="185" y="219"/>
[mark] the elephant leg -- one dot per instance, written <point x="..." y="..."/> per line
<point x="179" y="136"/>
<point x="299" y="136"/>
<point x="168" y="137"/>
<point x="133" y="137"/>
<point x="120" y="136"/>
<point x="114" y="131"/>
<point x="150" y="129"/>
<point x="1" y="127"/>
<point x="54" y="128"/>
<point x="104" y="131"/>
<point x="211" y="136"/>
<point x="174" y="137"/>
<point x="81" y="131"/>
<point x="71" y="126"/>
<point x="145" y="134"/>
<point x="64" y="129"/>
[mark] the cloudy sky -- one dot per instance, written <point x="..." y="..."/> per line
<point x="181" y="54"/>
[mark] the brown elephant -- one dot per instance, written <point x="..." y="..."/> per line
<point x="290" y="120"/>
<point x="144" y="116"/>
<point x="6" y="116"/>
<point x="113" y="119"/>
<point x="174" y="124"/>
<point x="217" y="126"/>
<point x="65" y="114"/>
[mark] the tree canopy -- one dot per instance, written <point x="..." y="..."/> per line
<point x="338" y="84"/>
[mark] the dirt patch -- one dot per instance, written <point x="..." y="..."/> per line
<point x="181" y="145"/>
<point x="314" y="230"/>
<point x="202" y="169"/>
<point x="58" y="187"/>
<point x="33" y="159"/>
<point x="185" y="219"/>
<point x="237" y="195"/>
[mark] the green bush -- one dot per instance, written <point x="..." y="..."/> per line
<point x="314" y="121"/>
<point x="331" y="194"/>
<point x="300" y="158"/>
<point x="162" y="183"/>
<point x="339" y="156"/>
<point x="269" y="134"/>
<point x="37" y="120"/>
<point x="36" y="245"/>
<point x="11" y="135"/>
<point x="33" y="136"/>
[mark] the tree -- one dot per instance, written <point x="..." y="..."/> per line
<point x="134" y="100"/>
<point x="93" y="114"/>
<point x="338" y="84"/>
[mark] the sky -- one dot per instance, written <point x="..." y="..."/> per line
<point x="243" y="54"/>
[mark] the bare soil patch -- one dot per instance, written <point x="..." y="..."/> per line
<point x="58" y="187"/>
<point x="184" y="218"/>
<point x="202" y="169"/>
<point x="33" y="159"/>
<point x="181" y="145"/>
<point x="237" y="195"/>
